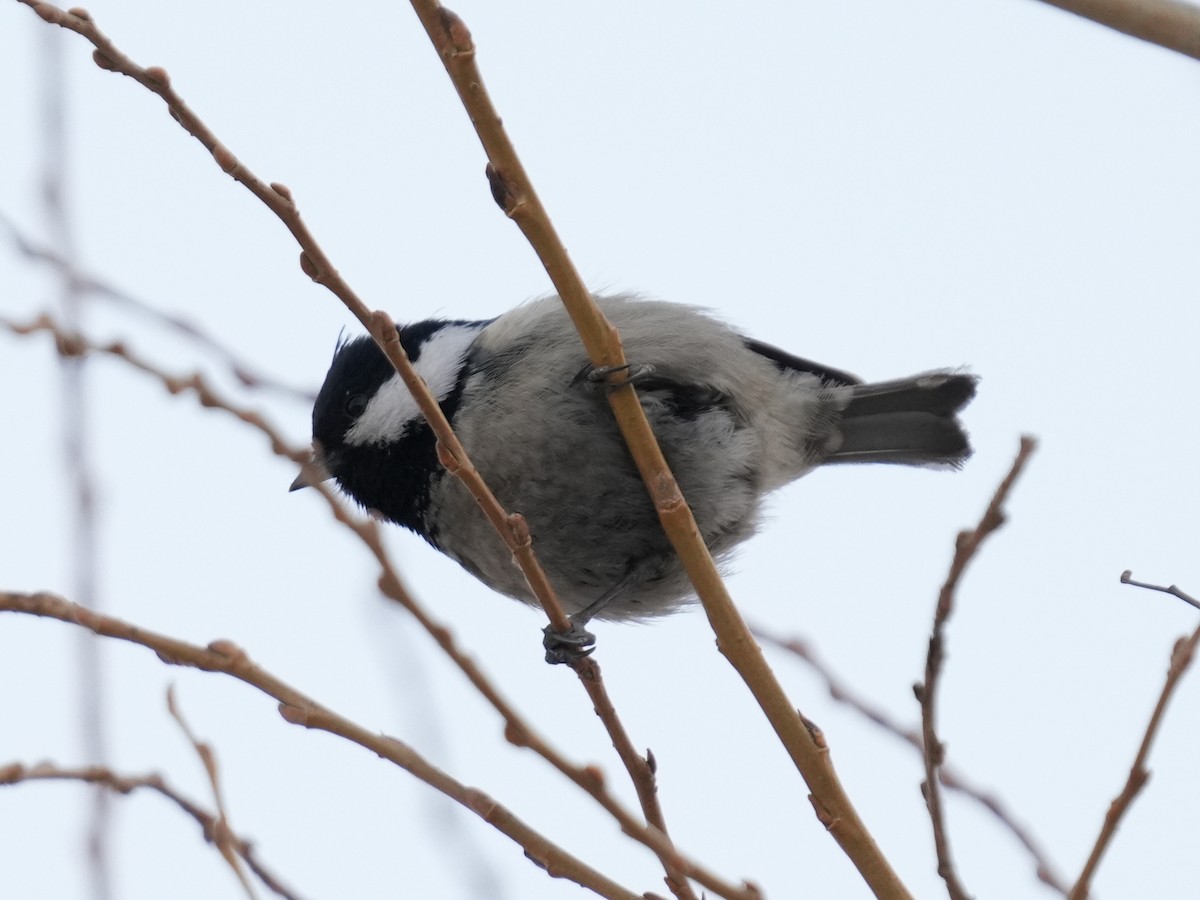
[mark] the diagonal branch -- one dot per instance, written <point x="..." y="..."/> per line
<point x="965" y="548"/>
<point x="1182" y="655"/>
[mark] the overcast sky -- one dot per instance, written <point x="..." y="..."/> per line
<point x="882" y="187"/>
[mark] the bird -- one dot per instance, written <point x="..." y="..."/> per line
<point x="736" y="419"/>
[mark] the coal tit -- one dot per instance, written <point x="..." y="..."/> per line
<point x="736" y="419"/>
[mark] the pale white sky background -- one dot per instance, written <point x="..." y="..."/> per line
<point x="882" y="187"/>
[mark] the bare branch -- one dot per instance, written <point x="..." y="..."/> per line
<point x="955" y="781"/>
<point x="641" y="770"/>
<point x="16" y="773"/>
<point x="965" y="548"/>
<point x="1168" y="23"/>
<point x="1182" y="655"/>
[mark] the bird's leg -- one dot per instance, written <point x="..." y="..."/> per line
<point x="599" y="375"/>
<point x="577" y="642"/>
<point x="567" y="646"/>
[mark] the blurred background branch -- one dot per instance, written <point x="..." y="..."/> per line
<point x="78" y="463"/>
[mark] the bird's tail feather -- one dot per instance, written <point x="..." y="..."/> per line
<point x="910" y="421"/>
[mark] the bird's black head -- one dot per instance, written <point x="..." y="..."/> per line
<point x="367" y="429"/>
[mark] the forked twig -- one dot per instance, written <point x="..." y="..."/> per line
<point x="840" y="692"/>
<point x="17" y="773"/>
<point x="222" y="834"/>
<point x="1182" y="655"/>
<point x="965" y="548"/>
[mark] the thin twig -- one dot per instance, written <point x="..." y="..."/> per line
<point x="1127" y="578"/>
<point x="299" y="709"/>
<point x="642" y="769"/>
<point x="92" y="285"/>
<point x="951" y="779"/>
<point x="1168" y="23"/>
<point x="514" y="192"/>
<point x="17" y="773"/>
<point x="222" y="833"/>
<point x="517" y="731"/>
<point x="1182" y="655"/>
<point x="965" y="548"/>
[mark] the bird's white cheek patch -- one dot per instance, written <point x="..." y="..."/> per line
<point x="386" y="415"/>
<point x="392" y="408"/>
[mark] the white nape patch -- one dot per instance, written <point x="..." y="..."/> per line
<point x="393" y="408"/>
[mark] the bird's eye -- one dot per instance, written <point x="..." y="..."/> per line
<point x="356" y="404"/>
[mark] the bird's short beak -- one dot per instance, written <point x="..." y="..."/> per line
<point x="317" y="471"/>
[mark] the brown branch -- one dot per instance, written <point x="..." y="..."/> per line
<point x="517" y="731"/>
<point x="17" y="773"/>
<point x="514" y="192"/>
<point x="965" y="548"/>
<point x="299" y="709"/>
<point x="840" y="692"/>
<point x="1168" y="23"/>
<point x="642" y="771"/>
<point x="1182" y="655"/>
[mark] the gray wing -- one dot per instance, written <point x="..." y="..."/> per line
<point x="785" y="360"/>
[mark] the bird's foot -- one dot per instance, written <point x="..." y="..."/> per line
<point x="565" y="647"/>
<point x="634" y="372"/>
